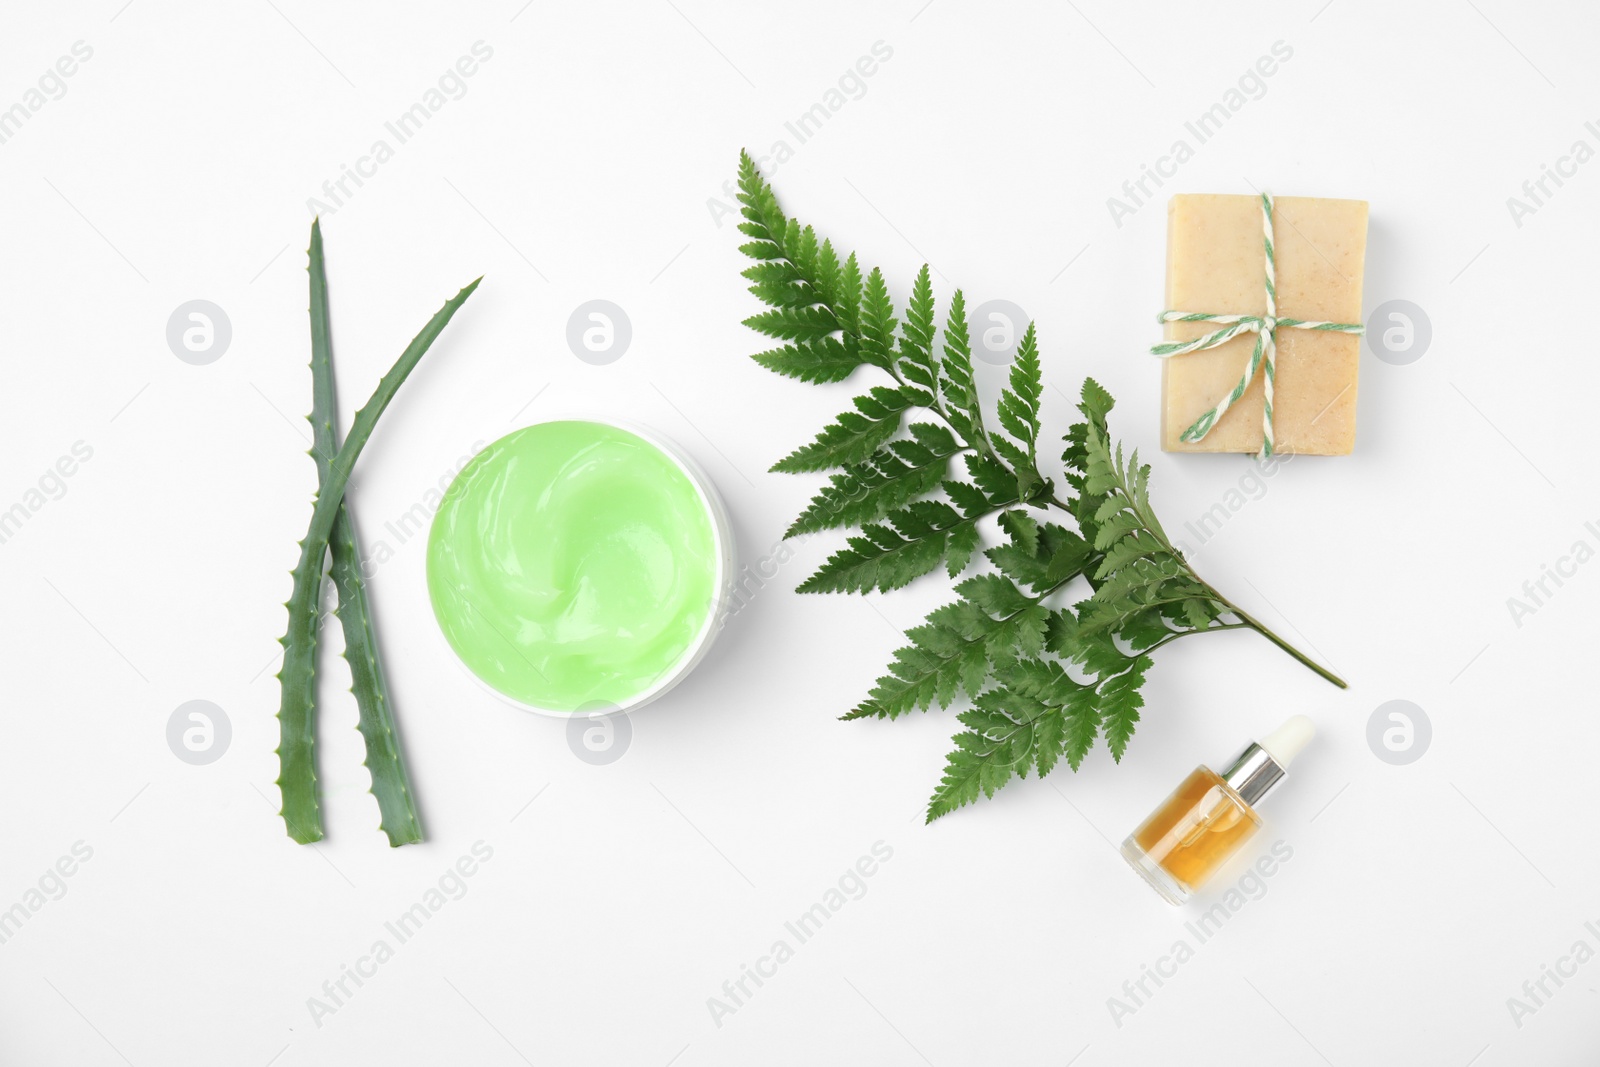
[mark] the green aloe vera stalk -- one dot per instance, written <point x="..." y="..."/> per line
<point x="390" y="784"/>
<point x="297" y="773"/>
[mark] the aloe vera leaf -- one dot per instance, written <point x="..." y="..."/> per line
<point x="391" y="786"/>
<point x="297" y="775"/>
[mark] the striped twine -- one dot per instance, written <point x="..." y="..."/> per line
<point x="1265" y="328"/>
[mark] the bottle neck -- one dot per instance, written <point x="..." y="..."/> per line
<point x="1254" y="774"/>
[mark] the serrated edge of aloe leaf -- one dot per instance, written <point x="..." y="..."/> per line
<point x="391" y="786"/>
<point x="296" y="712"/>
<point x="385" y="763"/>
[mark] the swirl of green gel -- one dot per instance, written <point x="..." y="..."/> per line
<point x="572" y="564"/>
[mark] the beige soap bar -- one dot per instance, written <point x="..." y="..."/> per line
<point x="1216" y="264"/>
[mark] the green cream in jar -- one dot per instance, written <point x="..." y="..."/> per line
<point x="575" y="565"/>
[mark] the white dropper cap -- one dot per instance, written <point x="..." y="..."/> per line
<point x="1285" y="743"/>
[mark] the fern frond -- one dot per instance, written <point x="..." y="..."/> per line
<point x="1045" y="681"/>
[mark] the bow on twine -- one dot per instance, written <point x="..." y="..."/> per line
<point x="1265" y="328"/>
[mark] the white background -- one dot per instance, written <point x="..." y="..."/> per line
<point x="579" y="165"/>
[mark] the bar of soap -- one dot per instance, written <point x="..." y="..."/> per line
<point x="1216" y="264"/>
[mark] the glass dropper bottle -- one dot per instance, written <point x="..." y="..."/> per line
<point x="1210" y="816"/>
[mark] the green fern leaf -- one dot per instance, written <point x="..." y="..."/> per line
<point x="878" y="323"/>
<point x="994" y="593"/>
<point x="848" y="300"/>
<point x="1082" y="727"/>
<point x="854" y="436"/>
<point x="828" y="359"/>
<point x="1114" y="529"/>
<point x="1022" y="529"/>
<point x="1135" y="546"/>
<point x="1061" y="629"/>
<point x="968" y="497"/>
<point x="1019" y="417"/>
<point x="1024" y="568"/>
<point x="1021" y="635"/>
<point x="997" y="746"/>
<point x="1144" y="573"/>
<point x="829" y="274"/>
<point x="1032" y="722"/>
<point x="962" y="542"/>
<point x="1120" y="702"/>
<point x="800" y="245"/>
<point x="794" y="323"/>
<point x="1097" y="653"/>
<point x="989" y="627"/>
<point x="1199" y="613"/>
<point x="1048" y="740"/>
<point x="881" y="560"/>
<point x="998" y="483"/>
<point x="946" y="655"/>
<point x="763" y="218"/>
<point x="891" y="478"/>
<point x="916" y="360"/>
<point x="1071" y="733"/>
<point x="1142" y="629"/>
<point x="1097" y="403"/>
<point x="761" y="249"/>
<point x="1065" y="553"/>
<point x="955" y="373"/>
<point x="777" y="282"/>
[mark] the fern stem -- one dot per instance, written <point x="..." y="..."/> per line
<point x="1174" y="635"/>
<point x="1261" y="628"/>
